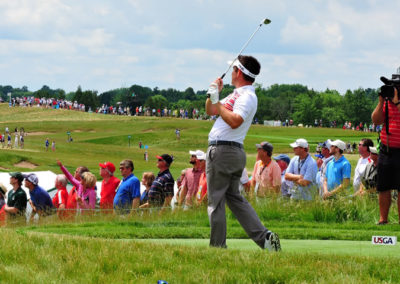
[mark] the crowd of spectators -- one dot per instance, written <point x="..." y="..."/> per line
<point x="325" y="175"/>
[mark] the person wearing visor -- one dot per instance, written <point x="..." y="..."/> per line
<point x="226" y="158"/>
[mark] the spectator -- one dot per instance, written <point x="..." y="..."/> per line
<point x="283" y="161"/>
<point x="40" y="199"/>
<point x="302" y="171"/>
<point x="53" y="145"/>
<point x="72" y="204"/>
<point x="387" y="114"/>
<point x="3" y="191"/>
<point x="147" y="181"/>
<point x="128" y="193"/>
<point x="327" y="157"/>
<point x="266" y="177"/>
<point x="363" y="150"/>
<point x="16" y="199"/>
<point x="46" y="144"/>
<point x="86" y="195"/>
<point x="179" y="185"/>
<point x="190" y="183"/>
<point x="337" y="172"/>
<point x="162" y="189"/>
<point x="61" y="197"/>
<point x="201" y="196"/>
<point x="369" y="177"/>
<point x="109" y="186"/>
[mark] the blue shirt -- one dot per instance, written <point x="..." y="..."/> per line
<point x="308" y="169"/>
<point x="128" y="190"/>
<point x="41" y="199"/>
<point x="336" y="171"/>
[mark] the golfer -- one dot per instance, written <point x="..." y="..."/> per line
<point x="226" y="158"/>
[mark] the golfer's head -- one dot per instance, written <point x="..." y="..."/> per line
<point x="249" y="67"/>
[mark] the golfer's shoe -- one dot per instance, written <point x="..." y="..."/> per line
<point x="272" y="243"/>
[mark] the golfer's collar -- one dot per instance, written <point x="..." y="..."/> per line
<point x="243" y="69"/>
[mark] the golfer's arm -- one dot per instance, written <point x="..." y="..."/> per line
<point x="210" y="108"/>
<point x="232" y="119"/>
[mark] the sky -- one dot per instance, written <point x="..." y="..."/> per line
<point x="108" y="44"/>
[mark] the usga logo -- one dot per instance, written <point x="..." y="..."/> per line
<point x="384" y="240"/>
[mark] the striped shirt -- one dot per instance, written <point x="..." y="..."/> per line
<point x="162" y="187"/>
<point x="394" y="126"/>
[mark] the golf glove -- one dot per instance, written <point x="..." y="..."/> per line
<point x="213" y="92"/>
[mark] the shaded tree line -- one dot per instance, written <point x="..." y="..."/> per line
<point x="276" y="102"/>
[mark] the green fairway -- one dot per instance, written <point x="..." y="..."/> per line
<point x="326" y="247"/>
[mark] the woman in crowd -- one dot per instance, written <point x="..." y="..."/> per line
<point x="147" y="180"/>
<point x="86" y="194"/>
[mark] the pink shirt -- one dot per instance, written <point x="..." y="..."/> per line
<point x="88" y="195"/>
<point x="191" y="181"/>
<point x="267" y="176"/>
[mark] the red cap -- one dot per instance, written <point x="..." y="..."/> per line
<point x="108" y="165"/>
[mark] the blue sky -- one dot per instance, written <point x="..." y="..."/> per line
<point x="102" y="45"/>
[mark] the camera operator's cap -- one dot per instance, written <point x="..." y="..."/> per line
<point x="242" y="68"/>
<point x="108" y="165"/>
<point x="282" y="157"/>
<point x="3" y="189"/>
<point x="167" y="158"/>
<point x="200" y="155"/>
<point x="300" y="143"/>
<point x="32" y="178"/>
<point x="373" y="150"/>
<point x="17" y="175"/>
<point x="340" y="144"/>
<point x="266" y="146"/>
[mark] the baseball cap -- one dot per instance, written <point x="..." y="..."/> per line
<point x="340" y="144"/>
<point x="326" y="144"/>
<point x="373" y="150"/>
<point x="32" y="178"/>
<point x="266" y="146"/>
<point x="300" y="143"/>
<point x="192" y="153"/>
<point x="108" y="165"/>
<point x="282" y="157"/>
<point x="167" y="158"/>
<point x="200" y="155"/>
<point x="17" y="175"/>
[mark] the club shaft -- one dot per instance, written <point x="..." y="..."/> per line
<point x="240" y="52"/>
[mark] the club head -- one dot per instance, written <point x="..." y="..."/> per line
<point x="266" y="21"/>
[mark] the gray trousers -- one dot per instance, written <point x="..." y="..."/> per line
<point x="224" y="168"/>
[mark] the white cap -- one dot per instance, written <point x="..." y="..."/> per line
<point x="192" y="153"/>
<point x="300" y="143"/>
<point x="340" y="144"/>
<point x="373" y="150"/>
<point x="239" y="65"/>
<point x="200" y="155"/>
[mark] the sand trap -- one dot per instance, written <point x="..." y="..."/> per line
<point x="37" y="133"/>
<point x="25" y="164"/>
<point x="4" y="169"/>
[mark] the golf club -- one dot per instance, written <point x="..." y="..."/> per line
<point x="265" y="22"/>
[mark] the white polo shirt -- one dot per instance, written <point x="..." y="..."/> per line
<point x="243" y="101"/>
<point x="358" y="172"/>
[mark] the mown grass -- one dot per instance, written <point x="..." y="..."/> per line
<point x="91" y="250"/>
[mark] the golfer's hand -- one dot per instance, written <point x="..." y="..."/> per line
<point x="214" y="89"/>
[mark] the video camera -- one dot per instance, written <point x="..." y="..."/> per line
<point x="387" y="90"/>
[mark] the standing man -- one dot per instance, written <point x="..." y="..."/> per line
<point x="283" y="162"/>
<point x="337" y="172"/>
<point x="190" y="183"/>
<point x="128" y="192"/>
<point x="226" y="158"/>
<point x="302" y="171"/>
<point x="40" y="199"/>
<point x="108" y="186"/>
<point x="16" y="199"/>
<point x="266" y="175"/>
<point x="162" y="188"/>
<point x="363" y="150"/>
<point x="327" y="157"/>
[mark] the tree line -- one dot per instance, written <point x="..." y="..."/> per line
<point x="276" y="102"/>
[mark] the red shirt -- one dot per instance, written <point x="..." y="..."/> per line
<point x="202" y="187"/>
<point x="61" y="197"/>
<point x="108" y="192"/>
<point x="71" y="203"/>
<point x="394" y="126"/>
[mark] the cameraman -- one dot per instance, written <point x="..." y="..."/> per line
<point x="389" y="155"/>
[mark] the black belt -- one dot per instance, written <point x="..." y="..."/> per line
<point x="222" y="142"/>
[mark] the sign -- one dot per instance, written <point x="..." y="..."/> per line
<point x="129" y="137"/>
<point x="68" y="133"/>
<point x="384" y="240"/>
